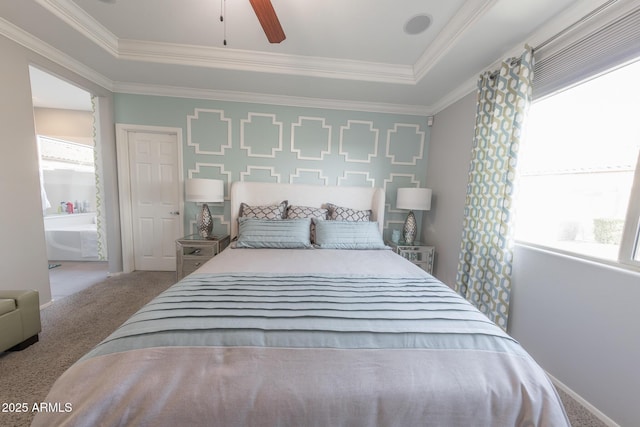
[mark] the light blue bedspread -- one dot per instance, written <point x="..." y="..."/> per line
<point x="325" y="349"/>
<point x="309" y="311"/>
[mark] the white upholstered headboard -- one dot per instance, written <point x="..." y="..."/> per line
<point x="266" y="193"/>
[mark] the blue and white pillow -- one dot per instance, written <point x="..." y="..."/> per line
<point x="275" y="234"/>
<point x="348" y="235"/>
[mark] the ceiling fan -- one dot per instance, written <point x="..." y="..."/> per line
<point x="269" y="20"/>
<point x="266" y="15"/>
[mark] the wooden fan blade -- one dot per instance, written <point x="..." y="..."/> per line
<point x="269" y="20"/>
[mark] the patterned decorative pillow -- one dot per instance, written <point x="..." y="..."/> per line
<point x="339" y="213"/>
<point x="294" y="212"/>
<point x="264" y="212"/>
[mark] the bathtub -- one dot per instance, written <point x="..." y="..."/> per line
<point x="71" y="237"/>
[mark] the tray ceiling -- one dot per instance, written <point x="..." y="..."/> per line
<point x="354" y="54"/>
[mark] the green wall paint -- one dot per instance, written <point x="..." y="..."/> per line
<point x="236" y="141"/>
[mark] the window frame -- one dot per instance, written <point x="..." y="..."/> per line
<point x="629" y="248"/>
<point x="602" y="41"/>
<point x="629" y="253"/>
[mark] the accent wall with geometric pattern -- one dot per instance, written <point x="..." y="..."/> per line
<point x="236" y="141"/>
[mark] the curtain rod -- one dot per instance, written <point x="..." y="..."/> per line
<point x="575" y="24"/>
<point x="558" y="35"/>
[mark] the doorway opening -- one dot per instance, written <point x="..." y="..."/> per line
<point x="64" y="121"/>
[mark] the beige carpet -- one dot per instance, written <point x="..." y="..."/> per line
<point x="71" y="327"/>
<point x="75" y="324"/>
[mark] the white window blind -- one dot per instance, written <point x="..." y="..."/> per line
<point x="613" y="44"/>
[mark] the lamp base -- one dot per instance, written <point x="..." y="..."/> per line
<point x="205" y="223"/>
<point x="410" y="229"/>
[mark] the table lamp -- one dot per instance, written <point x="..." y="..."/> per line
<point x="202" y="190"/>
<point x="414" y="199"/>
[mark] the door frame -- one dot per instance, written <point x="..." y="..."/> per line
<point x="124" y="185"/>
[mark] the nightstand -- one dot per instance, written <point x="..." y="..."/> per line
<point x="193" y="251"/>
<point x="418" y="253"/>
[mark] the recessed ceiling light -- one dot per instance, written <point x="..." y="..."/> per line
<point x="418" y="24"/>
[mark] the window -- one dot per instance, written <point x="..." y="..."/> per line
<point x="65" y="155"/>
<point x="577" y="166"/>
<point x="67" y="175"/>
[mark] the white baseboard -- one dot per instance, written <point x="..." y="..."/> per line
<point x="45" y="305"/>
<point x="118" y="273"/>
<point x="595" y="411"/>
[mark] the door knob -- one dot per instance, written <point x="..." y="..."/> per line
<point x="174" y="213"/>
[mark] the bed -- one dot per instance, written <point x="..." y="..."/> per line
<point x="339" y="333"/>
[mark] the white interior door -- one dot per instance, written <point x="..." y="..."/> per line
<point x="154" y="171"/>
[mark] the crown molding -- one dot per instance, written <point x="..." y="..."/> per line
<point x="279" y="63"/>
<point x="39" y="47"/>
<point x="468" y="14"/>
<point x="264" y="62"/>
<point x="47" y="51"/>
<point x="82" y="22"/>
<point x="552" y="27"/>
<point x="203" y="56"/>
<point x="609" y="12"/>
<point x="261" y="98"/>
<point x="224" y="58"/>
<point x="455" y="95"/>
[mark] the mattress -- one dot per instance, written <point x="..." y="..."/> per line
<point x="284" y="337"/>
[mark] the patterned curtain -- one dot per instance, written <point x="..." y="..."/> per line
<point x="97" y="156"/>
<point x="486" y="252"/>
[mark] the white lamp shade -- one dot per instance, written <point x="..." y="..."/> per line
<point x="204" y="190"/>
<point x="415" y="199"/>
